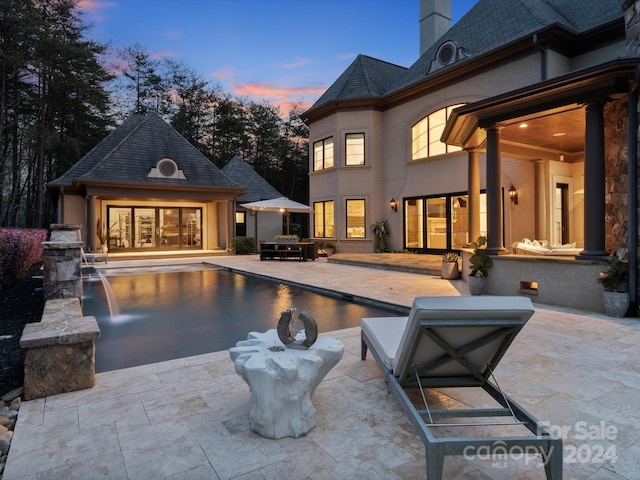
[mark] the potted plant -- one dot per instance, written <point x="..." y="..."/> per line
<point x="449" y="269"/>
<point x="480" y="263"/>
<point x="381" y="230"/>
<point x="615" y="297"/>
<point x="326" y="249"/>
<point x="103" y="236"/>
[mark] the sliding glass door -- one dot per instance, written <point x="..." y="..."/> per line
<point x="154" y="228"/>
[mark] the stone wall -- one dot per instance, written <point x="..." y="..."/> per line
<point x="60" y="349"/>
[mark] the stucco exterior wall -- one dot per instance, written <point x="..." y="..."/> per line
<point x="74" y="212"/>
<point x="598" y="55"/>
<point x="350" y="182"/>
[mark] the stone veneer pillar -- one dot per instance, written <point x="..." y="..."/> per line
<point x="62" y="261"/>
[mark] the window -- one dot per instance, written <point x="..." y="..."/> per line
<point x="241" y="224"/>
<point x="323" y="154"/>
<point x="323" y="219"/>
<point x="355" y="219"/>
<point x="354" y="148"/>
<point x="425" y="135"/>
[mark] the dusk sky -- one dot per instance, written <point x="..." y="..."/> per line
<point x="281" y="51"/>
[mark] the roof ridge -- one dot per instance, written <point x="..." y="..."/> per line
<point x="534" y="6"/>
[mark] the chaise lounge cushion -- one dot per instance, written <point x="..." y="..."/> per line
<point x="385" y="334"/>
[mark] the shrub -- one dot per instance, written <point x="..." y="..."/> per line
<point x="244" y="245"/>
<point x="20" y="249"/>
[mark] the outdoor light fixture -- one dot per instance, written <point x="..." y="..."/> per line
<point x="393" y="204"/>
<point x="513" y="194"/>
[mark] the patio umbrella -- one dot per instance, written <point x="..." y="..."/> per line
<point x="281" y="204"/>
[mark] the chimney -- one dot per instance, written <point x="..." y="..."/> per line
<point x="435" y="20"/>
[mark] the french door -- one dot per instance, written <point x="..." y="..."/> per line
<point x="439" y="223"/>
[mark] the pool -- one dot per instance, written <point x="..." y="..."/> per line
<point x="164" y="313"/>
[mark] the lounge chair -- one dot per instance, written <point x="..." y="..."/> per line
<point x="457" y="342"/>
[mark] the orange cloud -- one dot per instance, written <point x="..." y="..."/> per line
<point x="283" y="97"/>
<point x="94" y="8"/>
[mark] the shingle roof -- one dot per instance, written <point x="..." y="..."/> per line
<point x="493" y="23"/>
<point x="487" y="26"/>
<point x="365" y="77"/>
<point x="256" y="187"/>
<point x="128" y="154"/>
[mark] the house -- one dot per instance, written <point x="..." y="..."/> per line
<point x="146" y="188"/>
<point x="518" y="122"/>
<point x="263" y="225"/>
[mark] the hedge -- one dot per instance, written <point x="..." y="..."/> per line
<point x="20" y="249"/>
<point x="244" y="245"/>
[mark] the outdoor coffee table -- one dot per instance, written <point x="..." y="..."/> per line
<point x="282" y="381"/>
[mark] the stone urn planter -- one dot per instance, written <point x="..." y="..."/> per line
<point x="615" y="304"/>
<point x="615" y="298"/>
<point x="476" y="285"/>
<point x="449" y="269"/>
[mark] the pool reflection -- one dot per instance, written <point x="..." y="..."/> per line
<point x="168" y="315"/>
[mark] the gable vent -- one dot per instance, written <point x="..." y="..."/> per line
<point x="448" y="53"/>
<point x="166" y="168"/>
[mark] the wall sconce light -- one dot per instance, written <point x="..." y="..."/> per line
<point x="393" y="204"/>
<point x="513" y="194"/>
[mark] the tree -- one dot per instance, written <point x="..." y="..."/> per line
<point x="52" y="99"/>
<point x="150" y="92"/>
<point x="229" y="130"/>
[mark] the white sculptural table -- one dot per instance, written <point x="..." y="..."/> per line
<point x="282" y="381"/>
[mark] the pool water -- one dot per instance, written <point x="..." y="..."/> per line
<point x="166" y="314"/>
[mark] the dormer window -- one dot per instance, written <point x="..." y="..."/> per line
<point x="166" y="168"/>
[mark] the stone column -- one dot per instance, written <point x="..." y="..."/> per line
<point x="473" y="181"/>
<point x="594" y="181"/>
<point x="62" y="261"/>
<point x="494" y="192"/>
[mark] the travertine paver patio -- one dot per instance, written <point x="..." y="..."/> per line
<point x="188" y="418"/>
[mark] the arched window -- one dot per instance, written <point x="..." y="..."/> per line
<point x="425" y="135"/>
